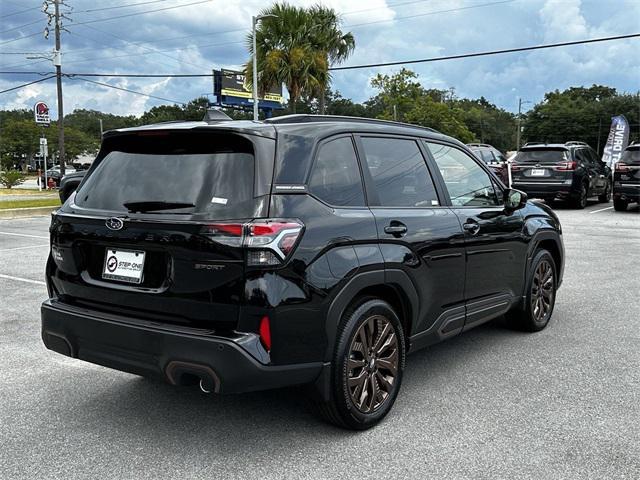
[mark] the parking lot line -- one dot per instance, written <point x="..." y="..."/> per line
<point x="23" y="235"/>
<point x="23" y="248"/>
<point x="19" y="279"/>
<point x="601" y="210"/>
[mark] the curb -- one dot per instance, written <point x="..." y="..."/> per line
<point x="26" y="212"/>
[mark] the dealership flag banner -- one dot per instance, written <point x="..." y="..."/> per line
<point x="617" y="141"/>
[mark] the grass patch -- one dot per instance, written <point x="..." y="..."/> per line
<point x="25" y="191"/>
<point x="36" y="202"/>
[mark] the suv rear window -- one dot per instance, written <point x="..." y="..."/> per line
<point x="217" y="183"/>
<point x="631" y="156"/>
<point x="546" y="155"/>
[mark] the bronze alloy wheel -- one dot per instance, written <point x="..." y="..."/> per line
<point x="373" y="363"/>
<point x="542" y="292"/>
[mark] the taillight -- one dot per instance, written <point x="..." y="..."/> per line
<point x="622" y="167"/>
<point x="566" y="166"/>
<point x="268" y="241"/>
<point x="264" y="330"/>
<point x="515" y="168"/>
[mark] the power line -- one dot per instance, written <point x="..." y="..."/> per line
<point x="27" y="84"/>
<point x="491" y="52"/>
<point x="91" y="10"/>
<point x="373" y="65"/>
<point x="129" y="91"/>
<point x="19" y="12"/>
<point x="408" y="17"/>
<point x="21" y="26"/>
<point x="141" y="13"/>
<point x="20" y="38"/>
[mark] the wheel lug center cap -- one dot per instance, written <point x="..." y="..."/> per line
<point x="372" y="364"/>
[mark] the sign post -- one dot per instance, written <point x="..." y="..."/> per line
<point x="42" y="118"/>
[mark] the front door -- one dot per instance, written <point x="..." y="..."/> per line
<point x="418" y="235"/>
<point x="495" y="247"/>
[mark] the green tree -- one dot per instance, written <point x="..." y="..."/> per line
<point x="489" y="123"/>
<point x="334" y="44"/>
<point x="88" y="121"/>
<point x="398" y="94"/>
<point x="19" y="142"/>
<point x="440" y="116"/>
<point x="580" y="113"/>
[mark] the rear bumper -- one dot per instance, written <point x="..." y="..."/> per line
<point x="230" y="364"/>
<point x="547" y="191"/>
<point x="629" y="192"/>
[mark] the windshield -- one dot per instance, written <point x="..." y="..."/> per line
<point x="542" y="156"/>
<point x="218" y="184"/>
<point x="631" y="156"/>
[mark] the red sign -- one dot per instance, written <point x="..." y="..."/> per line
<point x="41" y="113"/>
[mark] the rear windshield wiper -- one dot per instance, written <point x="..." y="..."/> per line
<point x="151" y="206"/>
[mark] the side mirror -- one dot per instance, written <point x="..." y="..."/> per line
<point x="514" y="199"/>
<point x="68" y="188"/>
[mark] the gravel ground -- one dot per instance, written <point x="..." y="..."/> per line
<point x="492" y="403"/>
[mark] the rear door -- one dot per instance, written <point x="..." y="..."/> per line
<point x="494" y="243"/>
<point x="418" y="234"/>
<point x="154" y="231"/>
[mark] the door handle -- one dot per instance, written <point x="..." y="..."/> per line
<point x="472" y="227"/>
<point x="395" y="228"/>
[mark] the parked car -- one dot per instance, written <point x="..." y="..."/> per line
<point x="54" y="173"/>
<point x="494" y="159"/>
<point x="626" y="180"/>
<point x="570" y="172"/>
<point x="69" y="183"/>
<point x="303" y="250"/>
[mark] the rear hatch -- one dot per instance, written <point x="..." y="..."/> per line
<point x="627" y="170"/>
<point x="543" y="165"/>
<point x="141" y="235"/>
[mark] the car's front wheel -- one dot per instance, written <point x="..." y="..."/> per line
<point x="540" y="296"/>
<point x="367" y="366"/>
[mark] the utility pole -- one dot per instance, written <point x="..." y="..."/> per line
<point x="520" y="103"/>
<point x="57" y="61"/>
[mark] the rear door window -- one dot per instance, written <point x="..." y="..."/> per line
<point x="399" y="173"/>
<point x="219" y="184"/>
<point x="335" y="177"/>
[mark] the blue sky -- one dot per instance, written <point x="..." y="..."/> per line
<point x="208" y="35"/>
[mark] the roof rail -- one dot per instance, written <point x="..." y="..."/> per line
<point x="529" y="144"/>
<point x="572" y="142"/>
<point x="304" y="118"/>
<point x="479" y="145"/>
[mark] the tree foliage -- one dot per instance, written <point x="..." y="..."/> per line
<point x="296" y="46"/>
<point x="582" y="114"/>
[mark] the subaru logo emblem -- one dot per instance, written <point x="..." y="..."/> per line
<point x="114" y="223"/>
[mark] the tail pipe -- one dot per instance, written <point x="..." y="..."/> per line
<point x="187" y="373"/>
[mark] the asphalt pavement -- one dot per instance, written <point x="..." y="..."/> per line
<point x="490" y="404"/>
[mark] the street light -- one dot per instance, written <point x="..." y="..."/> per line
<point x="254" y="21"/>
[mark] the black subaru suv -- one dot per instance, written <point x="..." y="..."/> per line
<point x="303" y="250"/>
<point x="570" y="172"/>
<point x="626" y="180"/>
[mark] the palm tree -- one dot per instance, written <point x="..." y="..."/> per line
<point x="327" y="38"/>
<point x="296" y="48"/>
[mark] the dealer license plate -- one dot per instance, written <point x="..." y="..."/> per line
<point x="538" y="172"/>
<point x="123" y="265"/>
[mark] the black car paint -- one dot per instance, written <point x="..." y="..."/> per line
<point x="626" y="186"/>
<point x="343" y="253"/>
<point x="594" y="174"/>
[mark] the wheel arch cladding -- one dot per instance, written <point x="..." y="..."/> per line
<point x="372" y="284"/>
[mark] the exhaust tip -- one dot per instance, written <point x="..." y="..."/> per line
<point x="186" y="373"/>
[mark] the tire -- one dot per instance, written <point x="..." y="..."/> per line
<point x="536" y="312"/>
<point x="581" y="202"/>
<point x="606" y="195"/>
<point x="369" y="320"/>
<point x="620" y="205"/>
